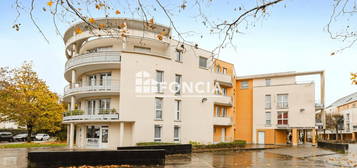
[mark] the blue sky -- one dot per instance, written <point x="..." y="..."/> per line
<point x="291" y="38"/>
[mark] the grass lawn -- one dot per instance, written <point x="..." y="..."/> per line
<point x="32" y="145"/>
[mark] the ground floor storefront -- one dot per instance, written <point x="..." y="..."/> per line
<point x="108" y="135"/>
<point x="292" y="136"/>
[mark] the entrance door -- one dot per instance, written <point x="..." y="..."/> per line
<point x="261" y="137"/>
<point x="223" y="134"/>
<point x="104" y="136"/>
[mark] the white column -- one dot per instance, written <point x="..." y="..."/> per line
<point x="68" y="130"/>
<point x="73" y="80"/>
<point x="73" y="102"/>
<point x="71" y="136"/>
<point x="121" y="134"/>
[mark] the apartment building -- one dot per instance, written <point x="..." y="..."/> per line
<point x="275" y="108"/>
<point x="136" y="84"/>
<point x="119" y="90"/>
<point x="347" y="107"/>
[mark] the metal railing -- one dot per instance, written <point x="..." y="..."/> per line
<point x="96" y="57"/>
<point x="101" y="117"/>
<point x="109" y="86"/>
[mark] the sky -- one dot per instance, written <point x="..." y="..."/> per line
<point x="291" y="38"/>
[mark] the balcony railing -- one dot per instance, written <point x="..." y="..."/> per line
<point x="91" y="58"/>
<point x="222" y="120"/>
<point x="77" y="88"/>
<point x="96" y="117"/>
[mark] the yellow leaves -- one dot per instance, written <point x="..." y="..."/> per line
<point x="117" y="12"/>
<point x="354" y="78"/>
<point x="98" y="6"/>
<point x="101" y="26"/>
<point x="159" y="36"/>
<point x="50" y="3"/>
<point x="78" y="30"/>
<point x="151" y="21"/>
<point x="91" y="20"/>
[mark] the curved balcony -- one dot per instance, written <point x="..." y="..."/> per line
<point x="91" y="118"/>
<point x="92" y="61"/>
<point x="97" y="90"/>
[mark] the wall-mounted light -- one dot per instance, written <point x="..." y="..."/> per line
<point x="204" y="99"/>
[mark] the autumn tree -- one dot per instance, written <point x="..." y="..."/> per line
<point x="334" y="122"/>
<point x="27" y="100"/>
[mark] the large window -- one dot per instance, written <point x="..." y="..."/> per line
<point x="177" y="110"/>
<point x="105" y="79"/>
<point x="176" y="133"/>
<point x="91" y="107"/>
<point x="178" y="84"/>
<point x="158" y="108"/>
<point x="283" y="118"/>
<point x="244" y="85"/>
<point x="268" y="118"/>
<point x="282" y="101"/>
<point x="159" y="80"/>
<point x="105" y="133"/>
<point x="104" y="106"/>
<point x="157" y="133"/>
<point x="203" y="62"/>
<point x="267" y="101"/>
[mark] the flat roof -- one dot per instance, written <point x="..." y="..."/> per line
<point x="279" y="74"/>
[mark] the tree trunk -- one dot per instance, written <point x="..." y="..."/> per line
<point x="29" y="133"/>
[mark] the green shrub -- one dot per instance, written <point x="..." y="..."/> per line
<point x="154" y="143"/>
<point x="73" y="112"/>
<point x="236" y="143"/>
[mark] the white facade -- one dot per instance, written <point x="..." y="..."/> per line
<point x="281" y="95"/>
<point x="103" y="76"/>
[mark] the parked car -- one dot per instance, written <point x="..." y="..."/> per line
<point x="22" y="137"/>
<point x="42" y="137"/>
<point x="6" y="136"/>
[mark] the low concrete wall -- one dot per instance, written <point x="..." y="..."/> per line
<point x="93" y="158"/>
<point x="333" y="146"/>
<point x="169" y="149"/>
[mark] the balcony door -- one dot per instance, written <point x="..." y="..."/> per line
<point x="104" y="106"/>
<point x="92" y="80"/>
<point x="91" y="107"/>
<point x="105" y="80"/>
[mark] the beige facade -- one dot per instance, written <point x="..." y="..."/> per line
<point x="103" y="82"/>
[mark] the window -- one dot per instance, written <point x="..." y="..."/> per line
<point x="224" y="112"/>
<point x="105" y="79"/>
<point x="92" y="80"/>
<point x="178" y="84"/>
<point x="176" y="133"/>
<point x="177" y="110"/>
<point x="267" y="101"/>
<point x="218" y="68"/>
<point x="282" y="118"/>
<point x="158" y="108"/>
<point x="100" y="49"/>
<point x="178" y="55"/>
<point x="105" y="134"/>
<point x="91" y="107"/>
<point x="142" y="49"/>
<point x="224" y="71"/>
<point x="159" y="80"/>
<point x="104" y="106"/>
<point x="282" y="101"/>
<point x="267" y="82"/>
<point x="203" y="62"/>
<point x="224" y="91"/>
<point x="268" y="118"/>
<point x="217" y="111"/>
<point x="244" y="85"/>
<point x="157" y="133"/>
